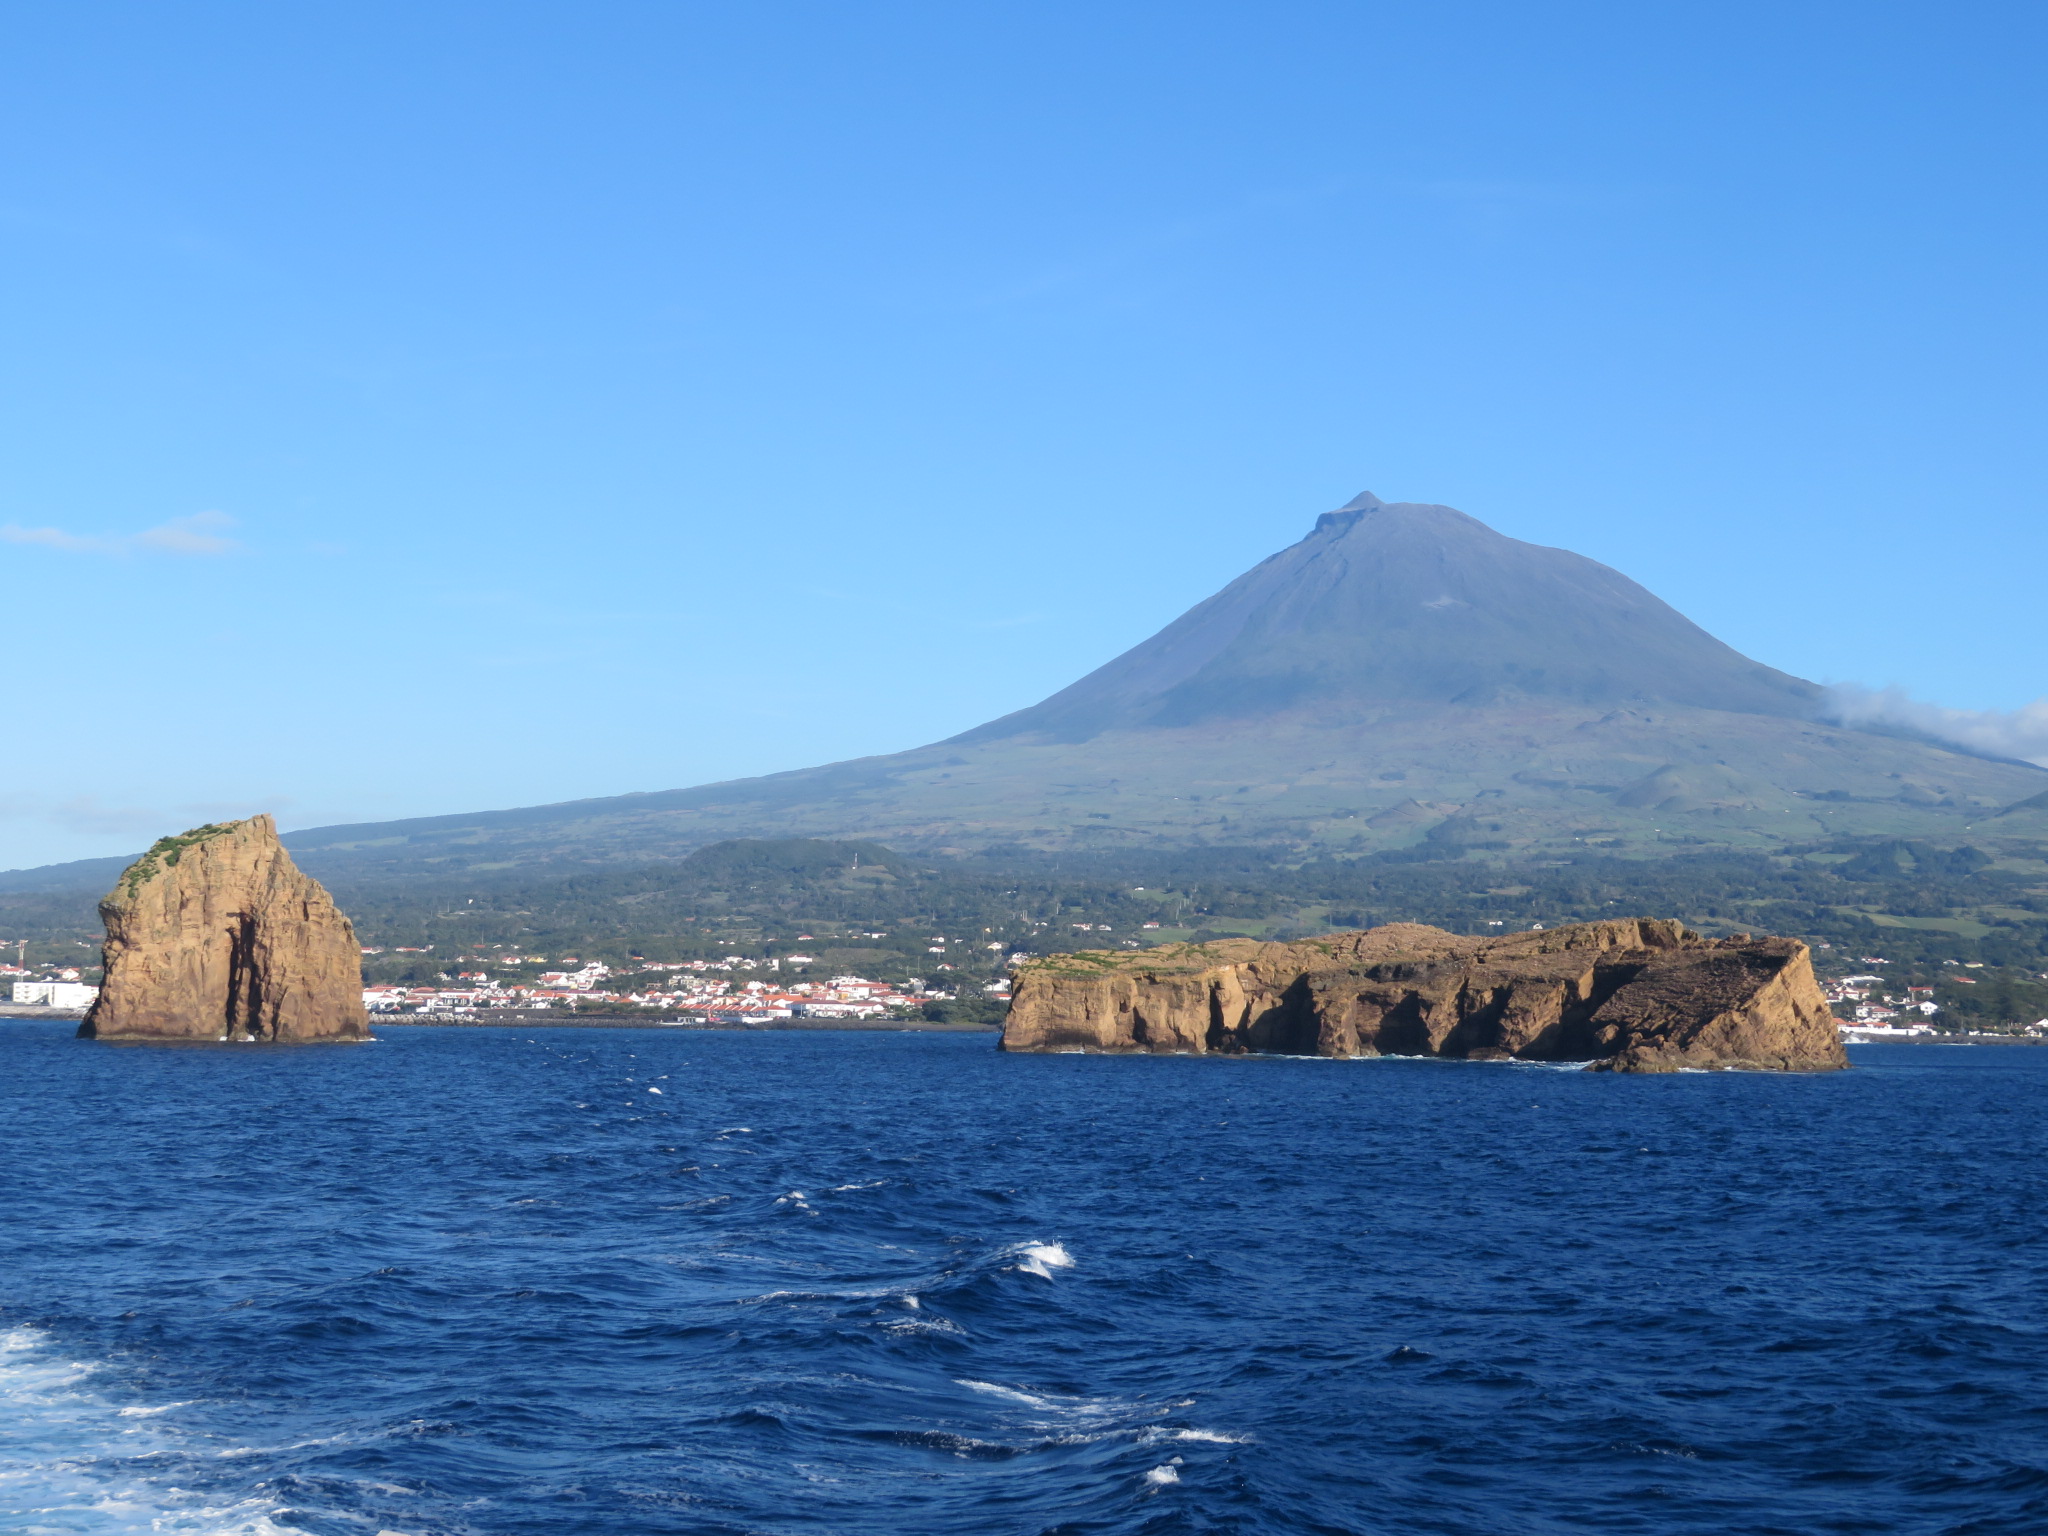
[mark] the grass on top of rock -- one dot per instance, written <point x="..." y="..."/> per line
<point x="165" y="852"/>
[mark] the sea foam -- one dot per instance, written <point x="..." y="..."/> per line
<point x="73" y="1462"/>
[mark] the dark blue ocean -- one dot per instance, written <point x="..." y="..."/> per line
<point x="494" y="1282"/>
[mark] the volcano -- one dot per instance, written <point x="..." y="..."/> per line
<point x="1403" y="681"/>
<point x="1411" y="604"/>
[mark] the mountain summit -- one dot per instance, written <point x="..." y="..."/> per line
<point x="1410" y="603"/>
<point x="1403" y="681"/>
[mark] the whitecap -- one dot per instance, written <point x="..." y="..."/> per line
<point x="1041" y="1259"/>
<point x="1062" y="1410"/>
<point x="1012" y="1394"/>
<point x="272" y="1450"/>
<point x="909" y="1325"/>
<point x="849" y="1295"/>
<point x="150" y="1413"/>
<point x="1162" y="1476"/>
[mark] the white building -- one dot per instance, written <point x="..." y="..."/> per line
<point x="55" y="994"/>
<point x="838" y="1010"/>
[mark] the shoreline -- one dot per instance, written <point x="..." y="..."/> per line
<point x="535" y="1018"/>
<point x="1953" y="1040"/>
<point x="540" y="1019"/>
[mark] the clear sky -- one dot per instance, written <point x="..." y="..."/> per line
<point x="418" y="407"/>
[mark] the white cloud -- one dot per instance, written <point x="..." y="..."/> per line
<point x="89" y="814"/>
<point x="53" y="538"/>
<point x="84" y="814"/>
<point x="200" y="534"/>
<point x="2020" y="733"/>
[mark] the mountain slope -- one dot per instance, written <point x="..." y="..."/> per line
<point x="1414" y="604"/>
<point x="1403" y="680"/>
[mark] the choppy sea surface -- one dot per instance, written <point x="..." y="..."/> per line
<point x="645" y="1281"/>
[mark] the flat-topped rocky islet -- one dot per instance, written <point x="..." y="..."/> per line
<point x="1634" y="995"/>
<point x="216" y="935"/>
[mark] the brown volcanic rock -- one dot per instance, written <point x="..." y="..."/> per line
<point x="215" y="935"/>
<point x="1638" y="995"/>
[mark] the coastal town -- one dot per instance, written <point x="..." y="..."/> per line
<point x="1868" y="1006"/>
<point x="480" y="982"/>
<point x="1864" y="1008"/>
<point x="701" y="991"/>
<point x="743" y="991"/>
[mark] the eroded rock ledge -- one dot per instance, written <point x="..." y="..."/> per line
<point x="216" y="935"/>
<point x="1638" y="995"/>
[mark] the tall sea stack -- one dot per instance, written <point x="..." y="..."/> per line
<point x="216" y="935"/>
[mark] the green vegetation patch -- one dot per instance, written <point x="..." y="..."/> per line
<point x="165" y="852"/>
<point x="1968" y="928"/>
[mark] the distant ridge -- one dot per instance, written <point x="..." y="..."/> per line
<point x="1403" y="681"/>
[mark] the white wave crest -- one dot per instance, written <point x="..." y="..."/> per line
<point x="1043" y="1418"/>
<point x="1041" y="1259"/>
<point x="1058" y="1409"/>
<point x="1011" y="1394"/>
<point x="911" y="1325"/>
<point x="150" y="1413"/>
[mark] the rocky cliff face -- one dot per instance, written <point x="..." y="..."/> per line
<point x="1643" y="995"/>
<point x="215" y="935"/>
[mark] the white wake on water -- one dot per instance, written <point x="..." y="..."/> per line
<point x="72" y="1462"/>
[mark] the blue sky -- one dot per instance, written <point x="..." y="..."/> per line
<point x="418" y="407"/>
